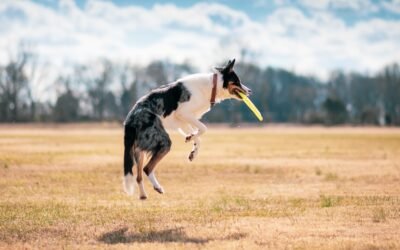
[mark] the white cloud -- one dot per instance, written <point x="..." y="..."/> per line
<point x="366" y="6"/>
<point x="103" y="29"/>
<point x="392" y="6"/>
<point x="203" y="34"/>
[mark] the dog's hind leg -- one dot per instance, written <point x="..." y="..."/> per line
<point x="149" y="168"/>
<point x="139" y="158"/>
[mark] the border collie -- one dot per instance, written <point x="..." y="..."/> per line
<point x="178" y="105"/>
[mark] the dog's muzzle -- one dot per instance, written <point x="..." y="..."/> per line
<point x="243" y="89"/>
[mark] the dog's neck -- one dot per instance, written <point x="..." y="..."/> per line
<point x="204" y="85"/>
<point x="222" y="93"/>
<point x="214" y="89"/>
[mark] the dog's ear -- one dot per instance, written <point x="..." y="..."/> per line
<point x="231" y="63"/>
<point x="228" y="68"/>
<point x="220" y="69"/>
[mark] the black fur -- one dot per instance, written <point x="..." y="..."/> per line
<point x="129" y="139"/>
<point x="228" y="75"/>
<point x="170" y="96"/>
<point x="143" y="127"/>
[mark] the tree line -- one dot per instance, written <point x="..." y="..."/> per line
<point x="106" y="90"/>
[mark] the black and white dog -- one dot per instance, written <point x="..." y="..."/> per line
<point x="180" y="105"/>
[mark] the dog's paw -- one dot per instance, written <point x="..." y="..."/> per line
<point x="144" y="197"/>
<point x="189" y="138"/>
<point x="192" y="155"/>
<point x="159" y="190"/>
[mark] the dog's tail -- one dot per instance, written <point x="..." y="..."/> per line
<point x="129" y="140"/>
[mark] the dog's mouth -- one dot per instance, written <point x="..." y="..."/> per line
<point x="235" y="90"/>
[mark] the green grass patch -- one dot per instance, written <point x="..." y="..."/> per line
<point x="378" y="215"/>
<point x="328" y="201"/>
<point x="331" y="177"/>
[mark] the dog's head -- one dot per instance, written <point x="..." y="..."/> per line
<point x="231" y="82"/>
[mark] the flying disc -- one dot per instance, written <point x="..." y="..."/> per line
<point x="251" y="106"/>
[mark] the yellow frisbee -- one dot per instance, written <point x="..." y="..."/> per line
<point x="251" y="106"/>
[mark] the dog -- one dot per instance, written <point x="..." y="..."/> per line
<point x="178" y="105"/>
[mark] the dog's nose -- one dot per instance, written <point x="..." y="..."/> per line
<point x="249" y="91"/>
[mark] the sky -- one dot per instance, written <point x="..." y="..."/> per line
<point x="312" y="37"/>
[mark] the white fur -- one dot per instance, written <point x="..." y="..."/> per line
<point x="186" y="117"/>
<point x="141" y="189"/>
<point x="154" y="181"/>
<point x="129" y="184"/>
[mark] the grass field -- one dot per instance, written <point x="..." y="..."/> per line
<point x="278" y="187"/>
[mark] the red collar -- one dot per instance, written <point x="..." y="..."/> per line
<point x="214" y="90"/>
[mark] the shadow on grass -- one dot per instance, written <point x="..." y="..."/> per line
<point x="168" y="235"/>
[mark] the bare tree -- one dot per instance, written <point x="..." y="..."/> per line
<point x="98" y="90"/>
<point x="389" y="83"/>
<point x="128" y="81"/>
<point x="156" y="73"/>
<point x="66" y="108"/>
<point x="14" y="87"/>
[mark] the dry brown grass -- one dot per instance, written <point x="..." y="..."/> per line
<point x="322" y="188"/>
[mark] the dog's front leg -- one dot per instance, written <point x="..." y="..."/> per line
<point x="185" y="129"/>
<point x="195" y="124"/>
<point x="188" y="131"/>
<point x="195" y="149"/>
<point x="191" y="122"/>
<point x="196" y="145"/>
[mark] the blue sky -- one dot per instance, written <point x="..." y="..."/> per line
<point x="259" y="9"/>
<point x="306" y="36"/>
